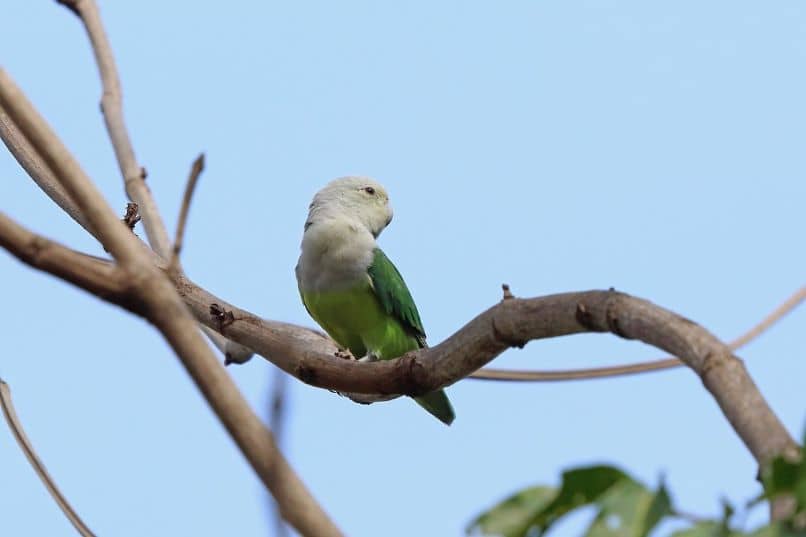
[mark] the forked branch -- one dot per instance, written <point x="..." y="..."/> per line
<point x="153" y="295"/>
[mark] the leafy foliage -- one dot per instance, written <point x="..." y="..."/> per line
<point x="513" y="517"/>
<point x="787" y="476"/>
<point x="628" y="508"/>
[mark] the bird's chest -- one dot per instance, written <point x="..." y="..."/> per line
<point x="330" y="264"/>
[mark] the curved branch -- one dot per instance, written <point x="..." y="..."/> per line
<point x="528" y="375"/>
<point x="37" y="464"/>
<point x="310" y="356"/>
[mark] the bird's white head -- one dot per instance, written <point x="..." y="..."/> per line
<point x="357" y="198"/>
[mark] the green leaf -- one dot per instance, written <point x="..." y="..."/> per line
<point x="776" y="530"/>
<point x="781" y="477"/>
<point x="713" y="528"/>
<point x="784" y="476"/>
<point x="628" y="509"/>
<point x="512" y="517"/>
<point x="708" y="528"/>
<point x="580" y="486"/>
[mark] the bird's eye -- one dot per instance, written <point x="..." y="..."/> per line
<point x="369" y="190"/>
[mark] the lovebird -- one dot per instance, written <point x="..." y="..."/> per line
<point x="351" y="288"/>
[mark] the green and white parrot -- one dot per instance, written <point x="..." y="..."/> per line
<point x="350" y="287"/>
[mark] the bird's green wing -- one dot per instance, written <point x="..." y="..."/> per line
<point x="396" y="300"/>
<point x="394" y="296"/>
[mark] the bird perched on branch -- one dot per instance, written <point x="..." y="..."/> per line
<point x="351" y="288"/>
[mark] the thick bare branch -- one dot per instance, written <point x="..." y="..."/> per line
<point x="163" y="307"/>
<point x="92" y="274"/>
<point x="512" y="323"/>
<point x="527" y="375"/>
<point x="112" y="107"/>
<point x="67" y="171"/>
<point x="32" y="162"/>
<point x="37" y="464"/>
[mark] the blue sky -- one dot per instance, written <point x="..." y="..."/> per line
<point x="556" y="146"/>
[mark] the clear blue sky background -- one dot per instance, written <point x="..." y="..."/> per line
<point x="557" y="146"/>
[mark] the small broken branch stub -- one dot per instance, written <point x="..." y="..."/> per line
<point x="507" y="293"/>
<point x="221" y="316"/>
<point x="132" y="215"/>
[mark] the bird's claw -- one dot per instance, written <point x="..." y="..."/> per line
<point x="344" y="354"/>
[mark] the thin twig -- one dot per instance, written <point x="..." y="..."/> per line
<point x="195" y="172"/>
<point x="527" y="375"/>
<point x="37" y="464"/>
<point x="233" y="352"/>
<point x="112" y="108"/>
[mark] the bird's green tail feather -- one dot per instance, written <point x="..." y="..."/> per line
<point x="438" y="405"/>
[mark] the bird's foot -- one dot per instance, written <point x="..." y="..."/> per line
<point x="368" y="358"/>
<point x="344" y="354"/>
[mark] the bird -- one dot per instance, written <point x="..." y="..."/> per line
<point x="351" y="288"/>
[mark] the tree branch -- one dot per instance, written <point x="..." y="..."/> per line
<point x="112" y="108"/>
<point x="310" y="356"/>
<point x="37" y="464"/>
<point x="101" y="278"/>
<point x="195" y="172"/>
<point x="528" y="375"/>
<point x="162" y="306"/>
<point x="32" y="162"/>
